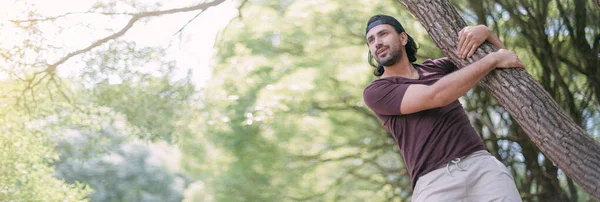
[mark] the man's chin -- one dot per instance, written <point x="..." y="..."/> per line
<point x="387" y="63"/>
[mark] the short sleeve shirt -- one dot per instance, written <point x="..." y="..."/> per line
<point x="430" y="138"/>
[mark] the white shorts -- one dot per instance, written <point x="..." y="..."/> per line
<point x="476" y="177"/>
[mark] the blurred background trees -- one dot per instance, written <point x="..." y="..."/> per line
<point x="115" y="169"/>
<point x="280" y="119"/>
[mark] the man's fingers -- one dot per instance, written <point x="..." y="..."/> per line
<point x="460" y="47"/>
<point x="467" y="48"/>
<point x="508" y="59"/>
<point x="472" y="51"/>
<point x="461" y="41"/>
<point x="520" y="64"/>
<point x="518" y="61"/>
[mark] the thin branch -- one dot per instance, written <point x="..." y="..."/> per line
<point x="311" y="197"/>
<point x="31" y="85"/>
<point x="189" y="21"/>
<point x="357" y="175"/>
<point x="566" y="20"/>
<point x="24" y="103"/>
<point x="52" y="67"/>
<point x="511" y="138"/>
<point x="597" y="42"/>
<point x="239" y="16"/>
<point x="65" y="15"/>
<point x="33" y="97"/>
<point x="50" y="93"/>
<point x="346" y="106"/>
<point x="533" y="195"/>
<point x="242" y="5"/>
<point x="64" y="95"/>
<point x="402" y="171"/>
<point x="177" y="10"/>
<point x="319" y="155"/>
<point x="571" y="64"/>
<point x="5" y="56"/>
<point x="340" y="180"/>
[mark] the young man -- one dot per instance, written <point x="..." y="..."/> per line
<point x="418" y="103"/>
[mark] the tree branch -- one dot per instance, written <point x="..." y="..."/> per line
<point x="571" y="64"/>
<point x="65" y="15"/>
<point x="346" y="106"/>
<point x="136" y="17"/>
<point x="52" y="67"/>
<point x="567" y="22"/>
<point x="596" y="43"/>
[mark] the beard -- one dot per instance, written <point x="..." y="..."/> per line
<point x="391" y="58"/>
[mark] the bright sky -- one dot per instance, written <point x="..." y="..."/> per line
<point x="192" y="49"/>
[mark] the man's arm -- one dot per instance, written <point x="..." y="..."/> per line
<point x="420" y="97"/>
<point x="471" y="37"/>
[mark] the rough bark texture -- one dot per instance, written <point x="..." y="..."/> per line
<point x="548" y="126"/>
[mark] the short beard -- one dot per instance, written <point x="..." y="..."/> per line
<point x="391" y="58"/>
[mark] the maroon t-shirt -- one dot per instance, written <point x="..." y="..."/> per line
<point x="427" y="139"/>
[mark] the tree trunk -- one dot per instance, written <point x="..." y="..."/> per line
<point x="548" y="126"/>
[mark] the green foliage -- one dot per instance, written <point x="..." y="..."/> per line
<point x="26" y="150"/>
<point x="160" y="104"/>
<point x="153" y="104"/>
<point x="124" y="73"/>
<point x="116" y="169"/>
<point x="25" y="175"/>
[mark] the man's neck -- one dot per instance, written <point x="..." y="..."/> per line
<point x="402" y="68"/>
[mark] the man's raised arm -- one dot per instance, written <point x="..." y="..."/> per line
<point x="420" y="97"/>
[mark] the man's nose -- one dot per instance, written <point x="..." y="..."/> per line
<point x="378" y="42"/>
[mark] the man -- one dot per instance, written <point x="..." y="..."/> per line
<point x="418" y="103"/>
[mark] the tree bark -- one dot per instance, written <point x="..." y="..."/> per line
<point x="548" y="126"/>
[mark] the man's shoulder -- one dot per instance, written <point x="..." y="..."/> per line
<point x="436" y="62"/>
<point x="381" y="83"/>
<point x="443" y="65"/>
<point x="375" y="83"/>
<point x="385" y="81"/>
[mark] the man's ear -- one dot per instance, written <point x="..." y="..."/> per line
<point x="403" y="38"/>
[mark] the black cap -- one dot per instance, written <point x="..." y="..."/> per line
<point x="384" y="19"/>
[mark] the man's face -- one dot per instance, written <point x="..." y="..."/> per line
<point x="385" y="44"/>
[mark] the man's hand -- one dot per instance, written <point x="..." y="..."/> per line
<point x="469" y="39"/>
<point x="505" y="59"/>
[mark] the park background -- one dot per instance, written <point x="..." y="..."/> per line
<point x="252" y="100"/>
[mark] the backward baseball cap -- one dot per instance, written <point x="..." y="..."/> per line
<point x="384" y="19"/>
